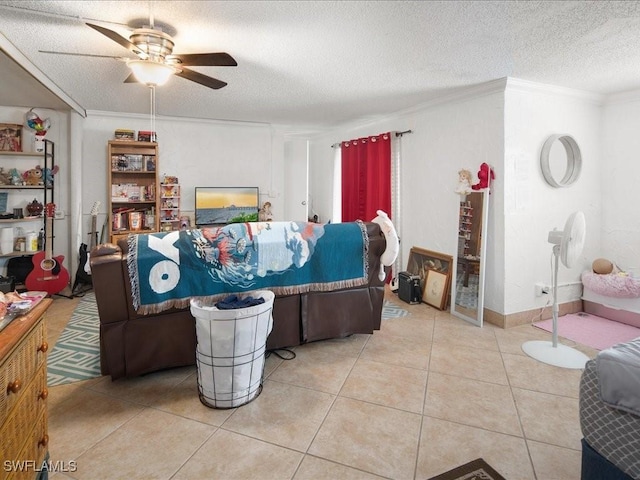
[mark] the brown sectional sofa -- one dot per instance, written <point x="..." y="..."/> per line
<point x="132" y="344"/>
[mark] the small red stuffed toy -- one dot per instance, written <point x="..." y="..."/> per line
<point x="485" y="177"/>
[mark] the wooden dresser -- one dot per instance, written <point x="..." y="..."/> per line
<point x="23" y="395"/>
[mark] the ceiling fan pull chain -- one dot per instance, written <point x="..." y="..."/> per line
<point x="152" y="99"/>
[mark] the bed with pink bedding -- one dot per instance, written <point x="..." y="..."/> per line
<point x="612" y="296"/>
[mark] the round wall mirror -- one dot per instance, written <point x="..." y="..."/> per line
<point x="560" y="160"/>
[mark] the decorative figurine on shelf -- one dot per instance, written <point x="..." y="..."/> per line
<point x="39" y="126"/>
<point x="265" y="214"/>
<point x="5" y="178"/>
<point x="33" y="176"/>
<point x="35" y="208"/>
<point x="464" y="182"/>
<point x="16" y="177"/>
<point x="485" y="177"/>
<point x="48" y="173"/>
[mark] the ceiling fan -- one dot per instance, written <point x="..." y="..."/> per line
<point x="156" y="62"/>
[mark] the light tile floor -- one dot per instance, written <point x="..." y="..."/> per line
<point x="424" y="394"/>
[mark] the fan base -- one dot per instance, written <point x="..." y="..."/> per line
<point x="560" y="356"/>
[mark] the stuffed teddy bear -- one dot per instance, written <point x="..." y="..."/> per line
<point x="393" y="245"/>
<point x="33" y="176"/>
<point x="485" y="177"/>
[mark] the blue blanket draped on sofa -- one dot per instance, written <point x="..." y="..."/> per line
<point x="168" y="269"/>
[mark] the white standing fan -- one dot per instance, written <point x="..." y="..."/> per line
<point x="567" y="246"/>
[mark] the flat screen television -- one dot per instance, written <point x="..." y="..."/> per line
<point x="223" y="205"/>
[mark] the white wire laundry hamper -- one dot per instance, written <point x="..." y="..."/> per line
<point x="230" y="352"/>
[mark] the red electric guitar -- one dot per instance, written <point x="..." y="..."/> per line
<point x="48" y="274"/>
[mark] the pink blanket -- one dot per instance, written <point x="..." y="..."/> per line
<point x="612" y="285"/>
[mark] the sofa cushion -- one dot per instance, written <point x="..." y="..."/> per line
<point x="619" y="376"/>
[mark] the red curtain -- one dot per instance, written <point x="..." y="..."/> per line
<point x="366" y="177"/>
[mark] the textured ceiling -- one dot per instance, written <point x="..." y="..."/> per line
<point x="315" y="64"/>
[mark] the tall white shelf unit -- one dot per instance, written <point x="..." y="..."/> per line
<point x="169" y="207"/>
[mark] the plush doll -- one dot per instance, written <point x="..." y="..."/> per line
<point x="16" y="178"/>
<point x="5" y="178"/>
<point x="48" y="174"/>
<point x="485" y="177"/>
<point x="33" y="176"/>
<point x="464" y="182"/>
<point x="393" y="245"/>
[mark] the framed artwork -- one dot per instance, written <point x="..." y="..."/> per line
<point x="10" y="137"/>
<point x="435" y="289"/>
<point x="422" y="261"/>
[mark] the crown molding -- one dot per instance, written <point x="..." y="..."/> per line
<point x="528" y="86"/>
<point x="623" y="97"/>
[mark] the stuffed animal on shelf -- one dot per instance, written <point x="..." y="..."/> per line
<point x="16" y="177"/>
<point x="485" y="177"/>
<point x="48" y="174"/>
<point x="33" y="176"/>
<point x="5" y="178"/>
<point x="464" y="182"/>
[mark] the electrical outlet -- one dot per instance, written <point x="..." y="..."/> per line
<point x="541" y="289"/>
<point x="59" y="214"/>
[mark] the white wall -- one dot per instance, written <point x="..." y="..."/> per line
<point x="460" y="132"/>
<point x="504" y="124"/>
<point x="620" y="177"/>
<point x="199" y="152"/>
<point x="532" y="208"/>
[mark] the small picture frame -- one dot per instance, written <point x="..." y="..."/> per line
<point x="435" y="289"/>
<point x="10" y="137"/>
<point x="422" y="261"/>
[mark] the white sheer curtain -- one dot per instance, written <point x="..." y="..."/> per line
<point x="336" y="214"/>
<point x="396" y="206"/>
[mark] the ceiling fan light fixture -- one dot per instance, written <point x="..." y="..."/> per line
<point x="151" y="73"/>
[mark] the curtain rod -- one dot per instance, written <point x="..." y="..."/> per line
<point x="398" y="134"/>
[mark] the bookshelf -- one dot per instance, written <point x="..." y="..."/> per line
<point x="133" y="188"/>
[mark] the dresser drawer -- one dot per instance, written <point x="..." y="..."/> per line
<point x="28" y="463"/>
<point x="19" y="368"/>
<point x="16" y="430"/>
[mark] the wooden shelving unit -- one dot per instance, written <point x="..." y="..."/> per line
<point x="133" y="188"/>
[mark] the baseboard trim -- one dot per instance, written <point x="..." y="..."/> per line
<point x="529" y="316"/>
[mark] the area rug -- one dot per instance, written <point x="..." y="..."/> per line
<point x="478" y="469"/>
<point x="391" y="310"/>
<point x="76" y="355"/>
<point x="591" y="330"/>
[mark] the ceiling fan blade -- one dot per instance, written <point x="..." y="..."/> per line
<point x="220" y="59"/>
<point x="118" y="39"/>
<point x="131" y="79"/>
<point x="201" y="79"/>
<point x="82" y="54"/>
